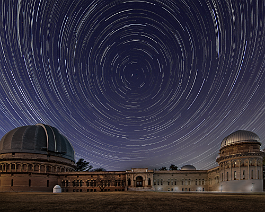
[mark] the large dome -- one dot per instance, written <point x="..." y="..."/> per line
<point x="39" y="138"/>
<point x="240" y="136"/>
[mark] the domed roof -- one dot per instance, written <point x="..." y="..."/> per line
<point x="188" y="167"/>
<point x="240" y="136"/>
<point x="39" y="138"/>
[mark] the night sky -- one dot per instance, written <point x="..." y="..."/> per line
<point x="135" y="83"/>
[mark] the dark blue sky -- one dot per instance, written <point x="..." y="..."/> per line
<point x="135" y="83"/>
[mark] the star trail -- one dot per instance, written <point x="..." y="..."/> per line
<point x="135" y="83"/>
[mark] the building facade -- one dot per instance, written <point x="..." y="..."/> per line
<point x="38" y="157"/>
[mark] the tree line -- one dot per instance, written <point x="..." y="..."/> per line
<point x="82" y="165"/>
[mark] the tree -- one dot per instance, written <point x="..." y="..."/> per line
<point x="162" y="168"/>
<point x="98" y="170"/>
<point x="82" y="165"/>
<point x="173" y="167"/>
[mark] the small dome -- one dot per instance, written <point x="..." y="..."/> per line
<point x="240" y="136"/>
<point x="188" y="167"/>
<point x="57" y="187"/>
<point x="39" y="138"/>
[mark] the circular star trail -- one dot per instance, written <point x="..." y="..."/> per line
<point x="135" y="83"/>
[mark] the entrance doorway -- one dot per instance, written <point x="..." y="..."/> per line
<point x="139" y="181"/>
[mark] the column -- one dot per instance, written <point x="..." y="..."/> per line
<point x="239" y="169"/>
<point x="248" y="170"/>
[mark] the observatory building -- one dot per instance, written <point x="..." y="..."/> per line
<point x="38" y="157"/>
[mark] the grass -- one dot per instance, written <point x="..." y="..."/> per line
<point x="131" y="201"/>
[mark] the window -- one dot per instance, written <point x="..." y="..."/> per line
<point x="243" y="174"/>
<point x="158" y="182"/>
<point x="196" y="182"/>
<point x="189" y="182"/>
<point x="67" y="183"/>
<point x="202" y="181"/>
<point x="12" y="166"/>
<point x="87" y="184"/>
<point x="251" y="174"/>
<point x="154" y="182"/>
<point x="226" y="176"/>
<point x="129" y="181"/>
<point x="175" y="181"/>
<point x="168" y="182"/>
<point x="29" y="182"/>
<point x="161" y="181"/>
<point x="149" y="181"/>
<point x="234" y="175"/>
<point x="182" y="182"/>
<point x="48" y="183"/>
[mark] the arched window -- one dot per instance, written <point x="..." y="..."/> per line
<point x="30" y="167"/>
<point x="36" y="168"/>
<point x="81" y="183"/>
<point x="227" y="176"/>
<point x="129" y="181"/>
<point x="139" y="181"/>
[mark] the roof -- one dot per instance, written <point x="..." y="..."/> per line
<point x="39" y="138"/>
<point x="188" y="167"/>
<point x="240" y="136"/>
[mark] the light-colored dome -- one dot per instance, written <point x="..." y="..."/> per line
<point x="188" y="167"/>
<point x="240" y="136"/>
<point x="39" y="138"/>
<point x="57" y="187"/>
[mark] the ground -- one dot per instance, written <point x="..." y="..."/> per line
<point x="132" y="201"/>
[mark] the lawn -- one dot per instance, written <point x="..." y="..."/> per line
<point x="131" y="201"/>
